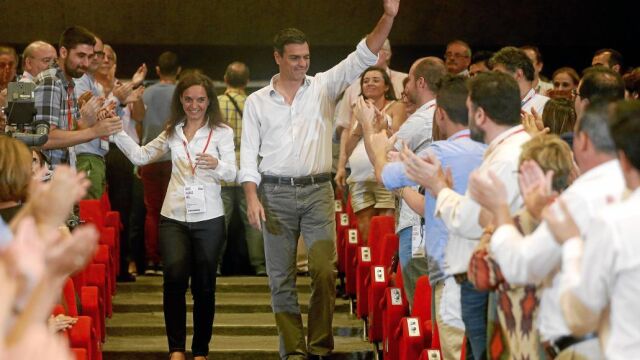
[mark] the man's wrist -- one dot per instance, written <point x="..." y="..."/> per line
<point x="503" y="215"/>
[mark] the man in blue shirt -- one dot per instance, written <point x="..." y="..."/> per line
<point x="460" y="155"/>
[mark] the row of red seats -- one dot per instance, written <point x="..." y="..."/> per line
<point x="378" y="292"/>
<point x="95" y="285"/>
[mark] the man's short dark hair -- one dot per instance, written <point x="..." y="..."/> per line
<point x="595" y="123"/>
<point x="615" y="57"/>
<point x="481" y="56"/>
<point x="498" y="95"/>
<point x="432" y="70"/>
<point x="601" y="84"/>
<point x="535" y="51"/>
<point x="513" y="59"/>
<point x="237" y="74"/>
<point x="452" y="98"/>
<point x="625" y="130"/>
<point x="288" y="36"/>
<point x="168" y="63"/>
<point x="76" y="35"/>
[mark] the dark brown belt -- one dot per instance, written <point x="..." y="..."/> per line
<point x="296" y="181"/>
<point x="553" y="348"/>
<point x="460" y="278"/>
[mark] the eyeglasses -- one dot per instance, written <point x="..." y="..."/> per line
<point x="98" y="54"/>
<point x="575" y="93"/>
<point x="450" y="55"/>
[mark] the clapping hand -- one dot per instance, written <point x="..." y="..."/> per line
<point x="560" y="221"/>
<point x="426" y="171"/>
<point x="488" y="190"/>
<point x="536" y="187"/>
<point x="533" y="123"/>
<point x="139" y="76"/>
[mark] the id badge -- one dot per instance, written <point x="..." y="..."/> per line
<point x="194" y="199"/>
<point x="417" y="245"/>
<point x="73" y="159"/>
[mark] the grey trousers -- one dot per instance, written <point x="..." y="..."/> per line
<point x="291" y="211"/>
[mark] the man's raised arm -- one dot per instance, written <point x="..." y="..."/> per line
<point x="376" y="38"/>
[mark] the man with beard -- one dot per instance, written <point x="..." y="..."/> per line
<point x="494" y="118"/>
<point x="57" y="104"/>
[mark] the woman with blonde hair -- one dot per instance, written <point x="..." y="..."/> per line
<point x="15" y="176"/>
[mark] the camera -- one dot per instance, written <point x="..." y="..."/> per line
<point x="20" y="113"/>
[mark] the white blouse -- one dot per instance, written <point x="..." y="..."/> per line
<point x="220" y="146"/>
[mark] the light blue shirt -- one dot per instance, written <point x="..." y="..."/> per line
<point x="462" y="155"/>
<point x="84" y="84"/>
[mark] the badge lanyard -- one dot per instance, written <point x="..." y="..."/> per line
<point x="191" y="166"/>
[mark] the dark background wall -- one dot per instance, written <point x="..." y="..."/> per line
<point x="208" y="34"/>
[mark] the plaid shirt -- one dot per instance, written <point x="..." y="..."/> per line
<point x="53" y="95"/>
<point x="231" y="115"/>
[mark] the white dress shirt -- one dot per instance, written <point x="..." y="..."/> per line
<point x="537" y="257"/>
<point x="604" y="271"/>
<point x="295" y="140"/>
<point x="533" y="100"/>
<point x="220" y="146"/>
<point x="460" y="213"/>
<point x="416" y="132"/>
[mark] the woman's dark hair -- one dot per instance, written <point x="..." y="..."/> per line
<point x="187" y="80"/>
<point x="559" y="115"/>
<point x="390" y="94"/>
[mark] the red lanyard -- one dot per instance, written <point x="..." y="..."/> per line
<point x="193" y="167"/>
<point x="508" y="136"/>
<point x="69" y="108"/>
<point x="460" y="137"/>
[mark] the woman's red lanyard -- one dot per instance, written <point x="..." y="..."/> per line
<point x="193" y="167"/>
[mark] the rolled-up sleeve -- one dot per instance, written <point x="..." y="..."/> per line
<point x="250" y="144"/>
<point x="340" y="76"/>
<point x="226" y="169"/>
<point x="142" y="155"/>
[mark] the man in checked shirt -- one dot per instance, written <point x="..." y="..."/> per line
<point x="57" y="104"/>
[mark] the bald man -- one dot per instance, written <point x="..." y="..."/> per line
<point x="37" y="57"/>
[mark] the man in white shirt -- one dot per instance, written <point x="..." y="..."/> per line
<point x="36" y="58"/>
<point x="516" y="63"/>
<point x="541" y="87"/>
<point x="416" y="132"/>
<point x="288" y="125"/>
<point x="494" y="118"/>
<point x="600" y="274"/>
<point x="536" y="258"/>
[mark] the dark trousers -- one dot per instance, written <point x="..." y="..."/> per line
<point x="120" y="181"/>
<point x="474" y="316"/>
<point x="190" y="250"/>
